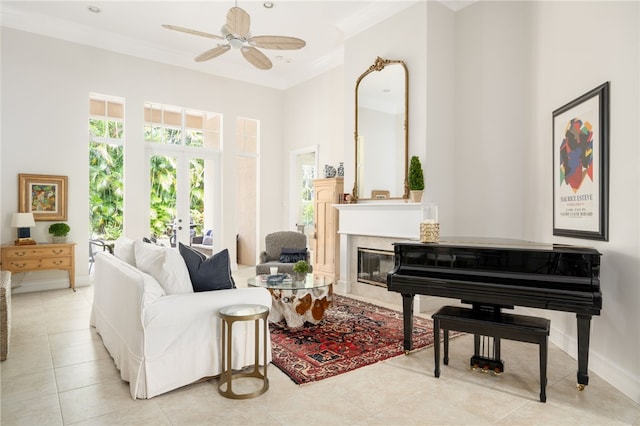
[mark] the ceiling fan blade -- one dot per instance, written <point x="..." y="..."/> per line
<point x="212" y="53"/>
<point x="256" y="57"/>
<point x="277" y="42"/>
<point x="194" y="32"/>
<point x="238" y="22"/>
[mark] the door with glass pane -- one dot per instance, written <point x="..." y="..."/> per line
<point x="183" y="147"/>
<point x="180" y="185"/>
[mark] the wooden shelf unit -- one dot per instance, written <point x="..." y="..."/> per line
<point x="327" y="192"/>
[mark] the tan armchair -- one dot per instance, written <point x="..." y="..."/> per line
<point x="274" y="243"/>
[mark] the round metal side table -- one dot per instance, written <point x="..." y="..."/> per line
<point x="229" y="315"/>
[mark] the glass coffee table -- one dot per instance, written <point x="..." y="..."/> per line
<point x="296" y="301"/>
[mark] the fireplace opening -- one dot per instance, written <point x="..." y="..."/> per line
<point x="374" y="265"/>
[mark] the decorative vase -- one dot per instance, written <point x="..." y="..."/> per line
<point x="341" y="169"/>
<point x="415" y="196"/>
<point x="329" y="171"/>
<point x="60" y="239"/>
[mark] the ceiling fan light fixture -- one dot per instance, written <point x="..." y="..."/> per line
<point x="235" y="43"/>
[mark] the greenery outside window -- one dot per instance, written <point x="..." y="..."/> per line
<point x="106" y="166"/>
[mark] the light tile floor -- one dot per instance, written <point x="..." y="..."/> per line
<point x="58" y="372"/>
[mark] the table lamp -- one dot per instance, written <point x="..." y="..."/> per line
<point x="23" y="221"/>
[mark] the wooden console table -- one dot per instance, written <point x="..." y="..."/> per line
<point x="39" y="257"/>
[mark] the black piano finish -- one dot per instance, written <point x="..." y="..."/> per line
<point x="504" y="274"/>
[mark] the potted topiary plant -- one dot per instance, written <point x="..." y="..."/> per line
<point x="59" y="232"/>
<point x="416" y="179"/>
<point x="301" y="268"/>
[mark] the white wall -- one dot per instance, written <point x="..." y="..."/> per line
<point x="45" y="89"/>
<point x="314" y="116"/>
<point x="493" y="118"/>
<point x="516" y="63"/>
<point x="440" y="168"/>
<point x="576" y="49"/>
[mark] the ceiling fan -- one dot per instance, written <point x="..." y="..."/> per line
<point x="235" y="34"/>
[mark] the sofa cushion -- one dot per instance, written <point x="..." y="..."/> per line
<point x="165" y="265"/>
<point x="208" y="273"/>
<point x="292" y="255"/>
<point x="123" y="250"/>
<point x="152" y="290"/>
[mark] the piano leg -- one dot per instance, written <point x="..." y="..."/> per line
<point x="584" y="329"/>
<point x="407" y="313"/>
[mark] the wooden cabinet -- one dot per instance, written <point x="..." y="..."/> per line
<point x="327" y="192"/>
<point x="39" y="257"/>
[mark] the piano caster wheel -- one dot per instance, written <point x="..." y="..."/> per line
<point x="580" y="386"/>
<point x="485" y="370"/>
<point x="406" y="352"/>
<point x="497" y="372"/>
<point x="474" y="367"/>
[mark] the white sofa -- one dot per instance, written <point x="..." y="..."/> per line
<point x="161" y="341"/>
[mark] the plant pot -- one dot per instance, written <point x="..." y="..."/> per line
<point x="60" y="239"/>
<point x="415" y="196"/>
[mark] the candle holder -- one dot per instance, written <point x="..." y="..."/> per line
<point x="430" y="227"/>
<point x="429" y="232"/>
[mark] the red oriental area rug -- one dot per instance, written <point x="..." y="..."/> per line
<point x="353" y="334"/>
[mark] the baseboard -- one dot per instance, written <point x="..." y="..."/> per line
<point x="624" y="381"/>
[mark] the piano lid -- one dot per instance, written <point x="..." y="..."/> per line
<point x="499" y="243"/>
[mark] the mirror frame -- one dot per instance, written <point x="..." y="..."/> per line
<point x="379" y="65"/>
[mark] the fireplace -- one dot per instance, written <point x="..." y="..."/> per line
<point x="374" y="265"/>
<point x="374" y="226"/>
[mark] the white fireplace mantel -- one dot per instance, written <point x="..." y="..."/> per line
<point x="379" y="223"/>
<point x="381" y="219"/>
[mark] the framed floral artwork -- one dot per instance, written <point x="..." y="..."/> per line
<point x="43" y="195"/>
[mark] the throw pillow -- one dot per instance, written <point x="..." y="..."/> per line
<point x="208" y="273"/>
<point x="123" y="250"/>
<point x="165" y="265"/>
<point x="290" y="255"/>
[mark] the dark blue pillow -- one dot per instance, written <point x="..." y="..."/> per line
<point x="289" y="255"/>
<point x="207" y="273"/>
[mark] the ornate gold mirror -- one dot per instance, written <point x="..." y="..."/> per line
<point x="381" y="132"/>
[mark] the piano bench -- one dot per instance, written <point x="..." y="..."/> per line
<point x="501" y="325"/>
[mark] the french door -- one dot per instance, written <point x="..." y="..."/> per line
<point x="184" y="188"/>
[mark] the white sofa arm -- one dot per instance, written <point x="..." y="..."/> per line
<point x="117" y="315"/>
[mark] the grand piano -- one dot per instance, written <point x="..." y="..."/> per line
<point x="497" y="274"/>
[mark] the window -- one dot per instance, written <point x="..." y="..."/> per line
<point x="106" y="161"/>
<point x="173" y="125"/>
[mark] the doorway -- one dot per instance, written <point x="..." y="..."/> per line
<point x="303" y="170"/>
<point x="182" y="194"/>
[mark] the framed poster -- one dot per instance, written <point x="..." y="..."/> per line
<point x="43" y="195"/>
<point x="581" y="166"/>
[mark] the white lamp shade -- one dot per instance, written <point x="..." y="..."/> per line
<point x="23" y="220"/>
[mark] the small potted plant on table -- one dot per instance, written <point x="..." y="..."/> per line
<point x="59" y="232"/>
<point x="301" y="268"/>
